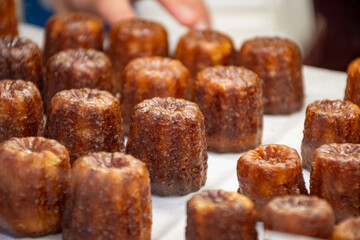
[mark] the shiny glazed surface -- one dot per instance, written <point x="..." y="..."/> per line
<point x="8" y="20"/>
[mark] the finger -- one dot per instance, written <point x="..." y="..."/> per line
<point x="191" y="13"/>
<point x="113" y="11"/>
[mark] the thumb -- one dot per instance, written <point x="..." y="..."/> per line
<point x="191" y="13"/>
<point x="115" y="10"/>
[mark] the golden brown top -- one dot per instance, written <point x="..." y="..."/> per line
<point x="17" y="43"/>
<point x="73" y="18"/>
<point x="137" y="27"/>
<point x="354" y="67"/>
<point x="17" y="88"/>
<point x="346" y="152"/>
<point x="336" y="107"/>
<point x="209" y="36"/>
<point x="269" y="44"/>
<point x="348" y="229"/>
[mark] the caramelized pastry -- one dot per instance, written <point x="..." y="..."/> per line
<point x="85" y="120"/>
<point x="230" y="99"/>
<point x="21" y="58"/>
<point x="329" y="121"/>
<point x="348" y="229"/>
<point x="149" y="77"/>
<point x="72" y="30"/>
<point x="269" y="171"/>
<point x="8" y="20"/>
<point x="302" y="215"/>
<point x="168" y="135"/>
<point x="335" y="177"/>
<point x="277" y="61"/>
<point x="216" y="214"/>
<point x="21" y="110"/>
<point x="352" y="90"/>
<point x="134" y="38"/>
<point x="34" y="176"/>
<point x="109" y="198"/>
<point x="77" y="68"/>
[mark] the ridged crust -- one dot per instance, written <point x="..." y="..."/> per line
<point x="231" y="100"/>
<point x="148" y="77"/>
<point x="303" y="215"/>
<point x="329" y="121"/>
<point x="352" y="90"/>
<point x="134" y="38"/>
<point x="168" y="135"/>
<point x="277" y="61"/>
<point x="109" y="198"/>
<point x="220" y="215"/>
<point x="21" y="58"/>
<point x="269" y="171"/>
<point x="72" y="30"/>
<point x="198" y="49"/>
<point x="77" y="68"/>
<point x="21" y="110"/>
<point x="347" y="230"/>
<point x="85" y="120"/>
<point x="335" y="177"/>
<point x="34" y="176"/>
<point x="8" y="20"/>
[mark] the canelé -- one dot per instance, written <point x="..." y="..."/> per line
<point x="168" y="135"/>
<point x="348" y="229"/>
<point x="198" y="49"/>
<point x="277" y="61"/>
<point x="34" y="177"/>
<point x="21" y="58"/>
<point x="134" y="38"/>
<point x="270" y="171"/>
<point x="72" y="30"/>
<point x="329" y="121"/>
<point x="109" y="198"/>
<point x="148" y="77"/>
<point x="220" y="215"/>
<point x="300" y="214"/>
<point x="85" y="120"/>
<point x="352" y="90"/>
<point x="8" y="19"/>
<point x="77" y="68"/>
<point x="231" y="100"/>
<point x="335" y="176"/>
<point x="21" y="110"/>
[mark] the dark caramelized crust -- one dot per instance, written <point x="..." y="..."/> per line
<point x="8" y="20"/>
<point x="34" y="176"/>
<point x="303" y="215"/>
<point x="109" y="198"/>
<point x="329" y="121"/>
<point x="352" y="90"/>
<point x="72" y="30"/>
<point x="220" y="215"/>
<point x="20" y="58"/>
<point x="77" y="68"/>
<point x="85" y="120"/>
<point x="134" y="38"/>
<point x="199" y="49"/>
<point x="277" y="61"/>
<point x="21" y="110"/>
<point x="168" y="134"/>
<point x="269" y="171"/>
<point x="149" y="77"/>
<point x="347" y="230"/>
<point x="231" y="101"/>
<point x="335" y="176"/>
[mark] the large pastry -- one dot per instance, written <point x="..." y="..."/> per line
<point x="8" y="20"/>
<point x="277" y="61"/>
<point x="216" y="214"/>
<point x="21" y="58"/>
<point x="72" y="30"/>
<point x="21" y="110"/>
<point x="168" y="134"/>
<point x="85" y="120"/>
<point x="148" y="77"/>
<point x="270" y="171"/>
<point x="231" y="100"/>
<point x="133" y="38"/>
<point x="329" y="121"/>
<point x="77" y="68"/>
<point x="335" y="176"/>
<point x="34" y="177"/>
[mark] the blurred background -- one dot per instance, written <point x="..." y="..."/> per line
<point x="327" y="31"/>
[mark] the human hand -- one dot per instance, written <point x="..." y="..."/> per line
<point x="191" y="13"/>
